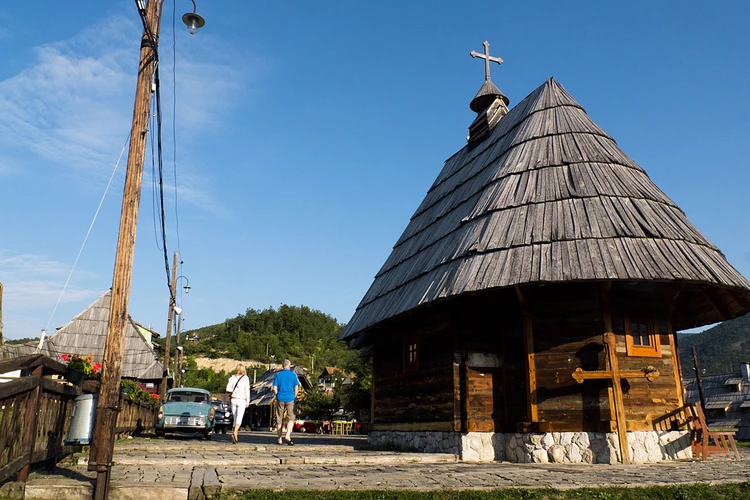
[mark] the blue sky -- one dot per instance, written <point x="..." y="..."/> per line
<point x="307" y="133"/>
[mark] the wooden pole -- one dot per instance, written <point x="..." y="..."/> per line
<point x="178" y="354"/>
<point x="172" y="286"/>
<point x="698" y="380"/>
<point x="2" y="341"/>
<point x="107" y="407"/>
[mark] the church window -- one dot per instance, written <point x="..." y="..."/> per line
<point x="411" y="353"/>
<point x="641" y="338"/>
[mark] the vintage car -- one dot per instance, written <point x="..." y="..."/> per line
<point x="186" y="410"/>
<point x="223" y="418"/>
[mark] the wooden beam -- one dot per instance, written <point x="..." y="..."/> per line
<point x="616" y="403"/>
<point x="463" y="374"/>
<point x="610" y="341"/>
<point x="715" y="306"/>
<point x="457" y="420"/>
<point x="677" y="368"/>
<point x="649" y="374"/>
<point x="528" y="344"/>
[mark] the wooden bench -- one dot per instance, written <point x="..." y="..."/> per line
<point x="705" y="442"/>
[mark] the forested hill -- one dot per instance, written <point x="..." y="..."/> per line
<point x="294" y="332"/>
<point x="721" y="349"/>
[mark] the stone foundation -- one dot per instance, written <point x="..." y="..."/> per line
<point x="555" y="447"/>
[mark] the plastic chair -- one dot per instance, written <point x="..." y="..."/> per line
<point x="338" y="426"/>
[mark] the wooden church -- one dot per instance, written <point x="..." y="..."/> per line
<point x="528" y="311"/>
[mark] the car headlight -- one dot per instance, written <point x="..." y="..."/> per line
<point x="160" y="415"/>
<point x="211" y="414"/>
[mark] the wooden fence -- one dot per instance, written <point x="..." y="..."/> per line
<point x="36" y="412"/>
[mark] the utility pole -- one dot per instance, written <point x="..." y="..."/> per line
<point x="172" y="297"/>
<point x="178" y="353"/>
<point x="698" y="379"/>
<point x="2" y="341"/>
<point x="102" y="444"/>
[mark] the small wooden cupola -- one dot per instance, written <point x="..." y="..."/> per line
<point x="490" y="104"/>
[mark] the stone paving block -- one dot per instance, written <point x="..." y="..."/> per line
<point x="147" y="492"/>
<point x="58" y="489"/>
<point x="211" y="483"/>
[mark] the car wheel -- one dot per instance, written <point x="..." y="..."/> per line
<point x="159" y="433"/>
<point x="208" y="436"/>
<point x="303" y="429"/>
<point x="224" y="430"/>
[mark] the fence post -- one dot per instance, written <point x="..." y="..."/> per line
<point x="29" y="437"/>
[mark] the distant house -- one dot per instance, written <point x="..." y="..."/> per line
<point x="330" y="374"/>
<point x="87" y="334"/>
<point x="262" y="400"/>
<point x="727" y="396"/>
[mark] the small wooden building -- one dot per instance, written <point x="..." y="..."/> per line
<point x="528" y="311"/>
<point x="262" y="406"/>
<point x="87" y="334"/>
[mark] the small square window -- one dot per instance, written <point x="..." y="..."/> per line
<point x="641" y="339"/>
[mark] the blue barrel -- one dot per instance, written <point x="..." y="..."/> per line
<point x="82" y="421"/>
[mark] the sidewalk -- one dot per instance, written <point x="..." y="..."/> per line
<point x="190" y="469"/>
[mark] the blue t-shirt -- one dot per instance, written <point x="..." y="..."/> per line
<point x="286" y="381"/>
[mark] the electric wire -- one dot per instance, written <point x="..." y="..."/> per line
<point x="91" y="226"/>
<point x="174" y="124"/>
<point x="154" y="198"/>
<point x="157" y="85"/>
<point x="160" y="163"/>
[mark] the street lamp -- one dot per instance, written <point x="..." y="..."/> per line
<point x="187" y="286"/>
<point x="193" y="21"/>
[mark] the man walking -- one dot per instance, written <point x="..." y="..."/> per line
<point x="285" y="387"/>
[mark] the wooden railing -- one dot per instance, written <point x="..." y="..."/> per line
<point x="134" y="417"/>
<point x="36" y="412"/>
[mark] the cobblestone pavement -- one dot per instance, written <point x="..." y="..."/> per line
<point x="186" y="468"/>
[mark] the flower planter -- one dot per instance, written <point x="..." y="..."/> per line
<point x="75" y="376"/>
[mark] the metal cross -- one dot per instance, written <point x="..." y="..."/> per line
<point x="487" y="59"/>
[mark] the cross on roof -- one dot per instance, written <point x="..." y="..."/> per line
<point x="487" y="59"/>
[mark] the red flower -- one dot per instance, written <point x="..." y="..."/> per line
<point x="155" y="396"/>
<point x="96" y="367"/>
<point x="65" y="357"/>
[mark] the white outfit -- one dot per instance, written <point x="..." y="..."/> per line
<point x="240" y="387"/>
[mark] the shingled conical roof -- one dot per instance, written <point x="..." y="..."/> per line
<point x="87" y="334"/>
<point x="547" y="197"/>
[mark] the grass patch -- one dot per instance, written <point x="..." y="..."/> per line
<point x="732" y="491"/>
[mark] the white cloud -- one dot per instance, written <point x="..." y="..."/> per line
<point x="31" y="288"/>
<point x="32" y="281"/>
<point x="71" y="107"/>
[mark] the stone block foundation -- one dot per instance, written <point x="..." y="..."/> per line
<point x="551" y="447"/>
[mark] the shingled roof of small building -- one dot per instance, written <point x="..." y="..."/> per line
<point x="87" y="334"/>
<point x="547" y="197"/>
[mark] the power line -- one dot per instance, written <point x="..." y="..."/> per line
<point x="174" y="124"/>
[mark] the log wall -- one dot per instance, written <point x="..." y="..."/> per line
<point x="568" y="335"/>
<point x="423" y="399"/>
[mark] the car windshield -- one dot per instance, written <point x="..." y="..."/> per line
<point x="186" y="397"/>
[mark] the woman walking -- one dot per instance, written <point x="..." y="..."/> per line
<point x="239" y="388"/>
